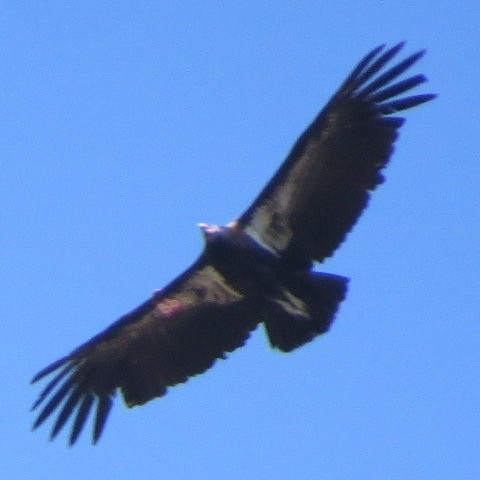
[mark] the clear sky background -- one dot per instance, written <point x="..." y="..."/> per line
<point x="123" y="126"/>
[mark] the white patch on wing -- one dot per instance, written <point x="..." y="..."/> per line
<point x="208" y="285"/>
<point x="257" y="239"/>
<point x="221" y="283"/>
<point x="269" y="225"/>
<point x="204" y="285"/>
<point x="292" y="304"/>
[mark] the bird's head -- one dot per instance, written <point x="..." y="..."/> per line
<point x="211" y="232"/>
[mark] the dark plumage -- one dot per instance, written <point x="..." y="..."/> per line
<point x="256" y="269"/>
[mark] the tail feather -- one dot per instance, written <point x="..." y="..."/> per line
<point x="318" y="295"/>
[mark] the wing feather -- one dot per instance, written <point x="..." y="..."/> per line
<point x="318" y="193"/>
<point x="67" y="410"/>
<point x="178" y="333"/>
<point x="51" y="385"/>
<point x="104" y="405"/>
<point x="82" y="416"/>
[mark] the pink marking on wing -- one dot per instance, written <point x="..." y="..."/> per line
<point x="168" y="307"/>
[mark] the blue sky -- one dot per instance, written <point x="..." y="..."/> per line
<point x="123" y="126"/>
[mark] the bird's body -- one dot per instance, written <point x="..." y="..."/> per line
<point x="257" y="269"/>
<point x="244" y="264"/>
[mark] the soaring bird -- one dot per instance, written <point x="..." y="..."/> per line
<point x="257" y="269"/>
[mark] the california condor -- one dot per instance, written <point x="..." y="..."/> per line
<point x="257" y="269"/>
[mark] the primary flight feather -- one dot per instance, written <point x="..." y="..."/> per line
<point x="257" y="269"/>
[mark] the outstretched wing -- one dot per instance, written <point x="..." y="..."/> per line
<point x="316" y="196"/>
<point x="178" y="333"/>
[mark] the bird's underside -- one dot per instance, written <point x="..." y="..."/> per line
<point x="257" y="269"/>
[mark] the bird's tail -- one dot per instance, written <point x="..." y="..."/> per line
<point x="304" y="308"/>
